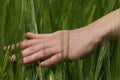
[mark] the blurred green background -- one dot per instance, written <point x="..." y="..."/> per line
<point x="45" y="16"/>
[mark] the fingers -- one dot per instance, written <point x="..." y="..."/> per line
<point x="42" y="54"/>
<point x="35" y="36"/>
<point x="35" y="48"/>
<point x="39" y="49"/>
<point x="11" y="47"/>
<point x="53" y="60"/>
<point x="13" y="58"/>
<point x="28" y="43"/>
<point x="6" y="47"/>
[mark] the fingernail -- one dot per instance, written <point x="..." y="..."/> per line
<point x="8" y="47"/>
<point x="5" y="48"/>
<point x="13" y="58"/>
<point x="12" y="47"/>
<point x="17" y="45"/>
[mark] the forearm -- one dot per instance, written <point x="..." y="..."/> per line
<point x="107" y="26"/>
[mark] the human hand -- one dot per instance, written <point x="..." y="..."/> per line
<point x="61" y="45"/>
<point x="68" y="44"/>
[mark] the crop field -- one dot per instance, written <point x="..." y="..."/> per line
<point x="46" y="16"/>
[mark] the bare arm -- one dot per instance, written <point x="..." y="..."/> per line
<point x="108" y="25"/>
<point x="52" y="48"/>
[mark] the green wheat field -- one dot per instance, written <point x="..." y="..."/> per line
<point x="45" y="16"/>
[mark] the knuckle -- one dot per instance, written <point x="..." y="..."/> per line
<point x="29" y="50"/>
<point x="32" y="49"/>
<point x="47" y="52"/>
<point x="59" y="56"/>
<point x="48" y="62"/>
<point x="34" y="57"/>
<point x="50" y="50"/>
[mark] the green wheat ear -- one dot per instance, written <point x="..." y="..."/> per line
<point x="45" y="16"/>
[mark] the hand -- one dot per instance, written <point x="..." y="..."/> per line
<point x="68" y="44"/>
<point x="57" y="46"/>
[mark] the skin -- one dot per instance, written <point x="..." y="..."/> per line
<point x="53" y="47"/>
